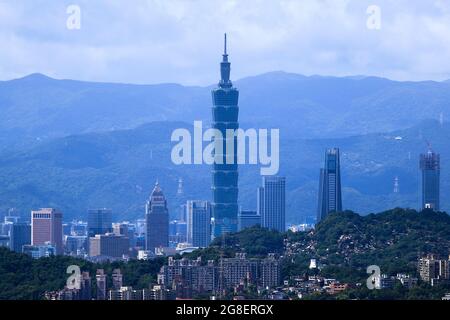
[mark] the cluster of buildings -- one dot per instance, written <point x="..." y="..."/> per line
<point x="302" y="286"/>
<point x="190" y="278"/>
<point x="100" y="239"/>
<point x="87" y="291"/>
<point x="182" y="279"/>
<point x="201" y="221"/>
<point x="330" y="191"/>
<point x="434" y="269"/>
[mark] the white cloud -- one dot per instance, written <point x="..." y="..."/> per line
<point x="149" y="41"/>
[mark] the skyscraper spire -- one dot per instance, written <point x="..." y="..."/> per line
<point x="225" y="46"/>
<point x="225" y="68"/>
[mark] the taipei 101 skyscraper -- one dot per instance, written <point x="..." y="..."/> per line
<point x="225" y="191"/>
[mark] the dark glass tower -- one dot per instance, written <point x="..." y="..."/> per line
<point x="330" y="197"/>
<point x="430" y="167"/>
<point x="99" y="221"/>
<point x="225" y="175"/>
<point x="157" y="220"/>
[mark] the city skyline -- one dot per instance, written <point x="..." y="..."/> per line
<point x="335" y="205"/>
<point x="299" y="188"/>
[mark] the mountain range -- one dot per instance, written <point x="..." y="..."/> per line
<point x="76" y="145"/>
<point x="39" y="107"/>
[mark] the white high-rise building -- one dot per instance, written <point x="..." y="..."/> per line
<point x="198" y="215"/>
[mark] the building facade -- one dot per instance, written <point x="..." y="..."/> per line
<point x="430" y="167"/>
<point x="198" y="214"/>
<point x="46" y="228"/>
<point x="101" y="284"/>
<point x="189" y="277"/>
<point x="248" y="219"/>
<point x="157" y="220"/>
<point x="271" y="203"/>
<point x="19" y="235"/>
<point x="39" y="251"/>
<point x="225" y="172"/>
<point x="99" y="221"/>
<point x="330" y="194"/>
<point x="109" y="245"/>
<point x="270" y="272"/>
<point x="434" y="270"/>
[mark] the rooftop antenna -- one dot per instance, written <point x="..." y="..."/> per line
<point x="225" y="67"/>
<point x="429" y="146"/>
<point x="225" y="46"/>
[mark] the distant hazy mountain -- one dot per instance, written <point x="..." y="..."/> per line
<point x="117" y="169"/>
<point x="38" y="107"/>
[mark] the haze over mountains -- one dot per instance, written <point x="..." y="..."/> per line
<point x="314" y="106"/>
<point x="76" y="145"/>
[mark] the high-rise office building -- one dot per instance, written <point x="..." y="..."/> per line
<point x="225" y="175"/>
<point x="46" y="228"/>
<point x="330" y="197"/>
<point x="157" y="220"/>
<point x="198" y="223"/>
<point x="272" y="203"/>
<point x="99" y="221"/>
<point x="248" y="219"/>
<point x="430" y="167"/>
<point x="19" y="235"/>
<point x="109" y="245"/>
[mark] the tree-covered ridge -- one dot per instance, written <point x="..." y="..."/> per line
<point x="346" y="243"/>
<point x="256" y="242"/>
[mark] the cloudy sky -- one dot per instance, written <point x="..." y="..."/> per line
<point x="153" y="41"/>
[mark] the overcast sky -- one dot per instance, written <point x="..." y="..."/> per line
<point x="153" y="41"/>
